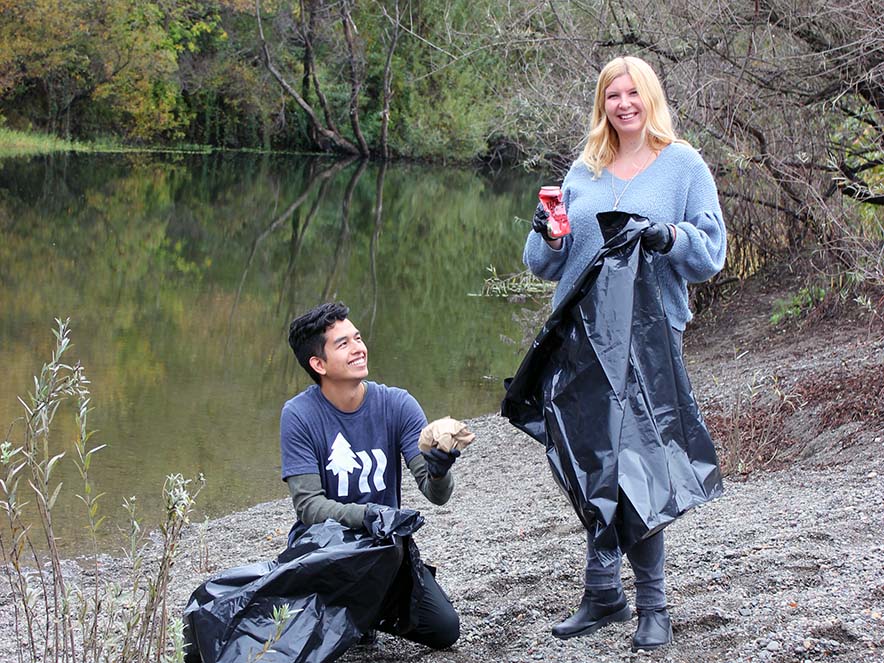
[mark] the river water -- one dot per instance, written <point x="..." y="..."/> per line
<point x="180" y="274"/>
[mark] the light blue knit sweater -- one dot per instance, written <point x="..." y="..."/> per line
<point x="676" y="188"/>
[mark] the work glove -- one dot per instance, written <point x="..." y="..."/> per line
<point x="380" y="521"/>
<point x="439" y="462"/>
<point x="658" y="237"/>
<point x="375" y="517"/>
<point x="539" y="222"/>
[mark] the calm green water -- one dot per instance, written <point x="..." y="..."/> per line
<point x="181" y="273"/>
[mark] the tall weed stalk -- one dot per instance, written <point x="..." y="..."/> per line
<point x="57" y="616"/>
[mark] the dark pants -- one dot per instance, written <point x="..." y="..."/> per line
<point x="646" y="558"/>
<point x="438" y="625"/>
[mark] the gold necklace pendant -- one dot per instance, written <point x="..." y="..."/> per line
<point x="617" y="197"/>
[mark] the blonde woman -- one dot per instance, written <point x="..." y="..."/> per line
<point x="633" y="162"/>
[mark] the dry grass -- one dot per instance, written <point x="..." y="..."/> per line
<point x="750" y="431"/>
<point x="521" y="284"/>
<point x="845" y="395"/>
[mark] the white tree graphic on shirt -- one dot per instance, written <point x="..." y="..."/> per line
<point x="341" y="462"/>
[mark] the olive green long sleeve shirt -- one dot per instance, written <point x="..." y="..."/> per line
<point x="313" y="506"/>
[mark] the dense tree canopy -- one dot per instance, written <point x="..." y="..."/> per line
<point x="368" y="77"/>
<point x="784" y="97"/>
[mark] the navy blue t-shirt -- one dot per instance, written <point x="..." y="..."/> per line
<point x="356" y="454"/>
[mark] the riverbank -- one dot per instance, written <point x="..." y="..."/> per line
<point x="25" y="143"/>
<point x="787" y="566"/>
<point x="29" y="143"/>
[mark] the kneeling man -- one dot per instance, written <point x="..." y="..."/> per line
<point x="341" y="440"/>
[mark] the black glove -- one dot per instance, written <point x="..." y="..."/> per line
<point x="439" y="462"/>
<point x="381" y="521"/>
<point x="375" y="515"/>
<point x="539" y="222"/>
<point x="658" y="237"/>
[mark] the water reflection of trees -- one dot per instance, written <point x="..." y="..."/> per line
<point x="375" y="240"/>
<point x="344" y="234"/>
<point x="412" y="256"/>
<point x="182" y="274"/>
<point x="319" y="174"/>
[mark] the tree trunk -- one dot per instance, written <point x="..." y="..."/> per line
<point x="305" y="22"/>
<point x="310" y="67"/>
<point x="355" y="79"/>
<point x="327" y="136"/>
<point x="388" y="80"/>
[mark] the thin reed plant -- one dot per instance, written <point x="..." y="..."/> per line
<point x="60" y="614"/>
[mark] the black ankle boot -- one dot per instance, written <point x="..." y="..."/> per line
<point x="598" y="608"/>
<point x="654" y="629"/>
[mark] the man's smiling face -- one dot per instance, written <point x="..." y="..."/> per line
<point x="346" y="357"/>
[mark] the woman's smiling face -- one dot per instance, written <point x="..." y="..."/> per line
<point x="624" y="107"/>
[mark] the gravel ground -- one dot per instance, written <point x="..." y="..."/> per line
<point x="787" y="566"/>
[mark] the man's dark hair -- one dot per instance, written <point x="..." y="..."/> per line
<point x="307" y="333"/>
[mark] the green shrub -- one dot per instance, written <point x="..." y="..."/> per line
<point x="798" y="305"/>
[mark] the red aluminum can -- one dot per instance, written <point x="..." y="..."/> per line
<point x="557" y="224"/>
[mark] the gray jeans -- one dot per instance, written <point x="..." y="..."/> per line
<point x="646" y="558"/>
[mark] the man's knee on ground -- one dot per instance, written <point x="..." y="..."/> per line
<point x="446" y="630"/>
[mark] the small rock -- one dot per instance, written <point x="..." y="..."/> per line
<point x="773" y="645"/>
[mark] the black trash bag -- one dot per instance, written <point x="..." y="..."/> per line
<point x="337" y="582"/>
<point x="604" y="388"/>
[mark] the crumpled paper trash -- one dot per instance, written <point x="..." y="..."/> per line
<point x="447" y="434"/>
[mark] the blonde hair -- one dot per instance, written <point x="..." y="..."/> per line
<point x="602" y="142"/>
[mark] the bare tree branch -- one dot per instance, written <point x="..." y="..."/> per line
<point x="333" y="138"/>
<point x="306" y="28"/>
<point x="393" y="40"/>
